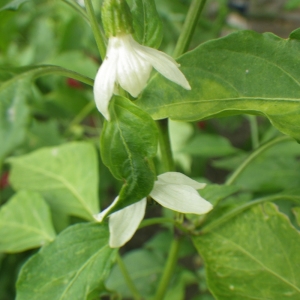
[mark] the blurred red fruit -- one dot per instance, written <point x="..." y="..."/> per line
<point x="201" y="125"/>
<point x="4" y="181"/>
<point x="73" y="83"/>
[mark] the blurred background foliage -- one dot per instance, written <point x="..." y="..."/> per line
<point x="61" y="110"/>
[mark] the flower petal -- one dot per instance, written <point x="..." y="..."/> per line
<point x="164" y="64"/>
<point x="105" y="82"/>
<point x="133" y="71"/>
<point x="179" y="178"/>
<point x="181" y="198"/>
<point x="124" y="223"/>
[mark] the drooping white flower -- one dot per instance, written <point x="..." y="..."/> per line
<point x="172" y="190"/>
<point x="129" y="64"/>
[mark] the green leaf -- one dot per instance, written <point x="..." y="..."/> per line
<point x="144" y="268"/>
<point x="177" y="290"/>
<point x="274" y="170"/>
<point x="66" y="176"/>
<point x="296" y="211"/>
<point x="71" y="267"/>
<point x="12" y="5"/>
<point x="292" y="4"/>
<point x="245" y="72"/>
<point x="254" y="256"/>
<point x="128" y="142"/>
<point x="25" y="223"/>
<point x="75" y="61"/>
<point x="14" y="93"/>
<point x="14" y="113"/>
<point x="146" y="22"/>
<point x="296" y="33"/>
<point x="216" y="193"/>
<point x="209" y="145"/>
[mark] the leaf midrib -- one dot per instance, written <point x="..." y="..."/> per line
<point x="65" y="183"/>
<point x="257" y="261"/>
<point x="78" y="272"/>
<point x="29" y="228"/>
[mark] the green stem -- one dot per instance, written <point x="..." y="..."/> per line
<point x="78" y="8"/>
<point x="165" y="145"/>
<point x="243" y="207"/>
<point x="255" y="154"/>
<point x="83" y="114"/>
<point x="183" y="42"/>
<point x="48" y="70"/>
<point x="129" y="282"/>
<point x="169" y="269"/>
<point x="189" y="26"/>
<point x="99" y="36"/>
<point x="254" y="132"/>
<point x="155" y="221"/>
<point x="164" y="139"/>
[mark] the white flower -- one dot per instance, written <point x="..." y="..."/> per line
<point x="172" y="190"/>
<point x="129" y="64"/>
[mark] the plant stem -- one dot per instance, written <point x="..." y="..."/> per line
<point x="155" y="221"/>
<point x="48" y="69"/>
<point x="243" y="207"/>
<point x="253" y="155"/>
<point x="183" y="42"/>
<point x="78" y="8"/>
<point x="82" y="114"/>
<point x="189" y="26"/>
<point x="169" y="269"/>
<point x="129" y="282"/>
<point x="254" y="132"/>
<point x="99" y="36"/>
<point x="164" y="140"/>
<point x="165" y="145"/>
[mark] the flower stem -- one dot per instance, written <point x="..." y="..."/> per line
<point x="78" y="8"/>
<point x="164" y="139"/>
<point x="252" y="156"/>
<point x="155" y="221"/>
<point x="189" y="26"/>
<point x="129" y="282"/>
<point x="165" y="145"/>
<point x="82" y="114"/>
<point x="169" y="268"/>
<point x="56" y="70"/>
<point x="254" y="132"/>
<point x="99" y="36"/>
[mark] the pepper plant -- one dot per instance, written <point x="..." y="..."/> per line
<point x="89" y="162"/>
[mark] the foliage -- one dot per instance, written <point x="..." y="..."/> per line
<point x="62" y="163"/>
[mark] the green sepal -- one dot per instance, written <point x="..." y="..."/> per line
<point x="116" y="17"/>
<point x="128" y="143"/>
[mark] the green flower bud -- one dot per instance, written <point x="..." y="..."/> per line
<point x="116" y="17"/>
